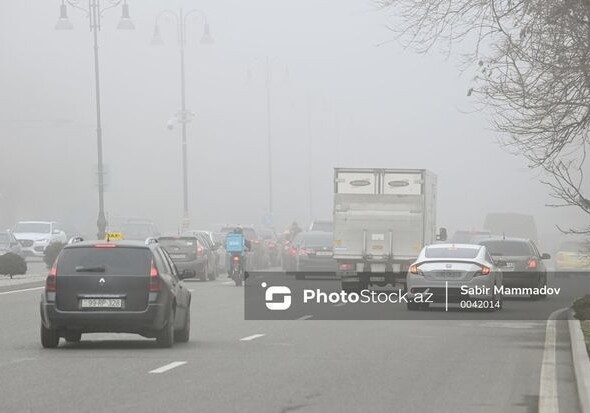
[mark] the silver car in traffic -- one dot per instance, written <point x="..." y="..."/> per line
<point x="462" y="275"/>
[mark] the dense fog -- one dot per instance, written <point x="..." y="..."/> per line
<point x="338" y="82"/>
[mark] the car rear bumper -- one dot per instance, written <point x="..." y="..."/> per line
<point x="521" y="279"/>
<point x="478" y="288"/>
<point x="154" y="317"/>
<point x="197" y="265"/>
<point x="317" y="265"/>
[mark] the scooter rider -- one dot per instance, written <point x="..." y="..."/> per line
<point x="247" y="247"/>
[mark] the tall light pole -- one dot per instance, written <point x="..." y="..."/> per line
<point x="183" y="116"/>
<point x="268" y="85"/>
<point x="94" y="13"/>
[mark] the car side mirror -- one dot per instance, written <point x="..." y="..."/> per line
<point x="442" y="234"/>
<point x="545" y="256"/>
<point x="184" y="274"/>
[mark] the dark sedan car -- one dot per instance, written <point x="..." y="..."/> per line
<point x="521" y="262"/>
<point x="315" y="254"/>
<point x="190" y="254"/>
<point x="115" y="287"/>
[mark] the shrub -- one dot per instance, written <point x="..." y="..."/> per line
<point x="582" y="308"/>
<point x="51" y="253"/>
<point x="12" y="264"/>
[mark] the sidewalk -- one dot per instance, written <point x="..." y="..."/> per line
<point x="5" y="281"/>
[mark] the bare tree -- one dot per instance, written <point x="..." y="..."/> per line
<point x="531" y="59"/>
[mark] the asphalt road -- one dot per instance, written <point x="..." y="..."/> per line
<point x="282" y="366"/>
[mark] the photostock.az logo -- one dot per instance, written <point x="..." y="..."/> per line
<point x="282" y="292"/>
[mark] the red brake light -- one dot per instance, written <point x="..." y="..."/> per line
<point x="105" y="246"/>
<point x="154" y="279"/>
<point x="346" y="266"/>
<point x="293" y="251"/>
<point x="235" y="258"/>
<point x="414" y="269"/>
<point x="51" y="281"/>
<point x="485" y="271"/>
<point x="532" y="264"/>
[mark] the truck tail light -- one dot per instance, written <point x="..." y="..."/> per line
<point x="346" y="266"/>
<point x="154" y="279"/>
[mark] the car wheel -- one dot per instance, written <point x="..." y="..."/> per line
<point x="183" y="336"/>
<point x="165" y="338"/>
<point x="49" y="337"/>
<point x="73" y="337"/>
<point x="205" y="273"/>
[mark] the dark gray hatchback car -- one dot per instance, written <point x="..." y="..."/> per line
<point x="114" y="287"/>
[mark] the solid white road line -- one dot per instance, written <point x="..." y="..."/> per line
<point x="548" y="399"/>
<point x="252" y="337"/>
<point x="21" y="290"/>
<point x="168" y="367"/>
<point x="305" y="317"/>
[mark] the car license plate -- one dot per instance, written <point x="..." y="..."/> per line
<point x="177" y="256"/>
<point x="378" y="267"/>
<point x="101" y="303"/>
<point x="509" y="266"/>
<point x="324" y="253"/>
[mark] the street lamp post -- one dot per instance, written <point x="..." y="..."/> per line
<point x="183" y="116"/>
<point x="94" y="12"/>
<point x="268" y="85"/>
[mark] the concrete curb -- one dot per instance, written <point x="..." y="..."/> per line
<point x="581" y="363"/>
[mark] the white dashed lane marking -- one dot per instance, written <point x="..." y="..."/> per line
<point x="252" y="337"/>
<point x="168" y="367"/>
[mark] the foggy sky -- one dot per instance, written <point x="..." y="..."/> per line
<point x="370" y="106"/>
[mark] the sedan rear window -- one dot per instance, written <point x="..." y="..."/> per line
<point x="508" y="248"/>
<point x="178" y="242"/>
<point x="107" y="261"/>
<point x="451" y="252"/>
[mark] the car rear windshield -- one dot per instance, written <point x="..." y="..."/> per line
<point x="106" y="261"/>
<point x="508" y="248"/>
<point x="320" y="240"/>
<point x="34" y="227"/>
<point x="178" y="242"/>
<point x="451" y="252"/>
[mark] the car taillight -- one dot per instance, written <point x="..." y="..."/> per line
<point x="345" y="266"/>
<point x="414" y="269"/>
<point x="235" y="258"/>
<point x="271" y="245"/>
<point x="306" y="251"/>
<point x="255" y="241"/>
<point x="532" y="264"/>
<point x="485" y="271"/>
<point x="51" y="281"/>
<point x="293" y="251"/>
<point x="154" y="279"/>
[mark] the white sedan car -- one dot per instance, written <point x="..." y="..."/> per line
<point x="457" y="274"/>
